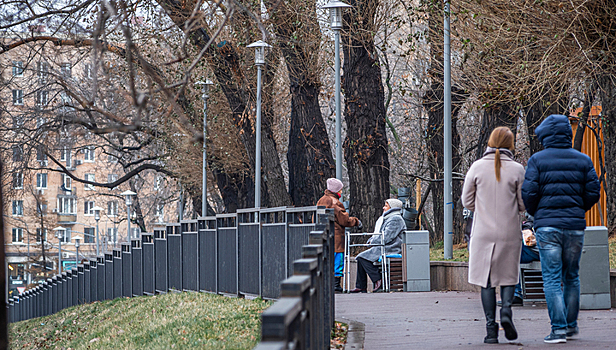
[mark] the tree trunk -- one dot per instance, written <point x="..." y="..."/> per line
<point x="433" y="103"/>
<point x="608" y="111"/>
<point x="225" y="62"/>
<point x="493" y="117"/>
<point x="535" y="115"/>
<point x="365" y="146"/>
<point x="309" y="154"/>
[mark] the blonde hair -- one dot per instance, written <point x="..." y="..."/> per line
<point x="501" y="137"/>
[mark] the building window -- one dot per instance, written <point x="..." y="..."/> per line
<point x="18" y="121"/>
<point x="135" y="232"/>
<point x="42" y="98"/>
<point x="111" y="158"/>
<point x="18" y="180"/>
<point x="66" y="236"/>
<point x="18" y="153"/>
<point x="66" y="182"/>
<point x="87" y="71"/>
<point x="41" y="157"/>
<point x="88" y="208"/>
<point x="18" y="235"/>
<point x="41" y="208"/>
<point x="89" y="187"/>
<point x="66" y="205"/>
<point x="41" y="235"/>
<point x="18" y="207"/>
<point x="42" y="71"/>
<point x="41" y="181"/>
<point x="65" y="155"/>
<point x="88" y="154"/>
<point x="112" y="178"/>
<point x="18" y="69"/>
<point x="112" y="208"/>
<point x="112" y="234"/>
<point x="65" y="70"/>
<point x="18" y="97"/>
<point x="89" y="235"/>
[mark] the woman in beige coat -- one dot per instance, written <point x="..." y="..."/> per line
<point x="492" y="189"/>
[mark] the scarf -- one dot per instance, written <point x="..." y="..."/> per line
<point x="505" y="151"/>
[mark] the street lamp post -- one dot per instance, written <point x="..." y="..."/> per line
<point x="205" y="89"/>
<point x="97" y="217"/>
<point x="128" y="198"/>
<point x="259" y="62"/>
<point x="335" y="16"/>
<point x="447" y="162"/>
<point x="77" y="239"/>
<point x="60" y="235"/>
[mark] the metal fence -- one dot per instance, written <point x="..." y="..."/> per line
<point x="248" y="253"/>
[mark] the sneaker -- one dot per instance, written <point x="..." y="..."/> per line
<point x="554" y="338"/>
<point x="572" y="332"/>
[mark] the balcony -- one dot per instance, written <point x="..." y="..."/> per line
<point x="63" y="192"/>
<point x="66" y="218"/>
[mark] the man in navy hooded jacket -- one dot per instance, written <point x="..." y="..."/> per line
<point x="559" y="187"/>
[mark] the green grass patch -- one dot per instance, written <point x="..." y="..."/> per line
<point x="169" y="321"/>
<point x="437" y="252"/>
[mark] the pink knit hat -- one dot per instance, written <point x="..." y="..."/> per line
<point x="334" y="185"/>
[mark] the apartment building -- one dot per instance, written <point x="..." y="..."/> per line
<point x="45" y="208"/>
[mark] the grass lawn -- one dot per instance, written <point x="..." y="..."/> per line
<point x="461" y="254"/>
<point x="169" y="321"/>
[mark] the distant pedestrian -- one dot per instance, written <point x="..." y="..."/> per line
<point x="560" y="186"/>
<point x="492" y="189"/>
<point x="392" y="224"/>
<point x="331" y="199"/>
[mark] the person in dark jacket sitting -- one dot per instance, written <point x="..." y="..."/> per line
<point x="559" y="187"/>
<point x="393" y="224"/>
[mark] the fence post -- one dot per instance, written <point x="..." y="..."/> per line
<point x="100" y="278"/>
<point x="147" y="251"/>
<point x="273" y="250"/>
<point x="309" y="267"/>
<point x="127" y="270"/>
<point x="117" y="273"/>
<point x="93" y="279"/>
<point x="160" y="261"/>
<point x="174" y="256"/>
<point x="137" y="267"/>
<point x="249" y="251"/>
<point x="190" y="250"/>
<point x="281" y="321"/>
<point x="109" y="280"/>
<point x="207" y="260"/>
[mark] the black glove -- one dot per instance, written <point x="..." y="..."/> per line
<point x="359" y="224"/>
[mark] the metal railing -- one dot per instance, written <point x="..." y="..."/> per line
<point x="248" y="253"/>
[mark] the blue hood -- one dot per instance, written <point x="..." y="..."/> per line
<point x="555" y="131"/>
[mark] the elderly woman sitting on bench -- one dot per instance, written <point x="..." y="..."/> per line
<point x="391" y="227"/>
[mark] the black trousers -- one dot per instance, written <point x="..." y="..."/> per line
<point x="366" y="268"/>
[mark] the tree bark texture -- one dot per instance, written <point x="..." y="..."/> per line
<point x="309" y="154"/>
<point x="493" y="117"/>
<point x="433" y="103"/>
<point x="225" y="61"/>
<point x="608" y="111"/>
<point x="365" y="146"/>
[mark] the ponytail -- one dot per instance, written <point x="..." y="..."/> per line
<point x="497" y="165"/>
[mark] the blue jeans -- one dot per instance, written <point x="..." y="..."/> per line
<point x="338" y="264"/>
<point x="526" y="257"/>
<point x="560" y="252"/>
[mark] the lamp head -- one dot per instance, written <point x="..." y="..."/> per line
<point x="128" y="197"/>
<point x="259" y="51"/>
<point x="97" y="212"/>
<point x="335" y="13"/>
<point x="205" y="87"/>
<point x="59" y="232"/>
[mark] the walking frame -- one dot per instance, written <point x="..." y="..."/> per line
<point x="347" y="258"/>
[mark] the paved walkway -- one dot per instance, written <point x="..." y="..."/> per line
<point x="454" y="320"/>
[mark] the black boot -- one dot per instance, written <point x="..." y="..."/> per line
<point x="488" y="301"/>
<point x="337" y="286"/>
<point x="506" y="314"/>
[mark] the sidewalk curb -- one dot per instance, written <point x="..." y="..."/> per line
<point x="355" y="334"/>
